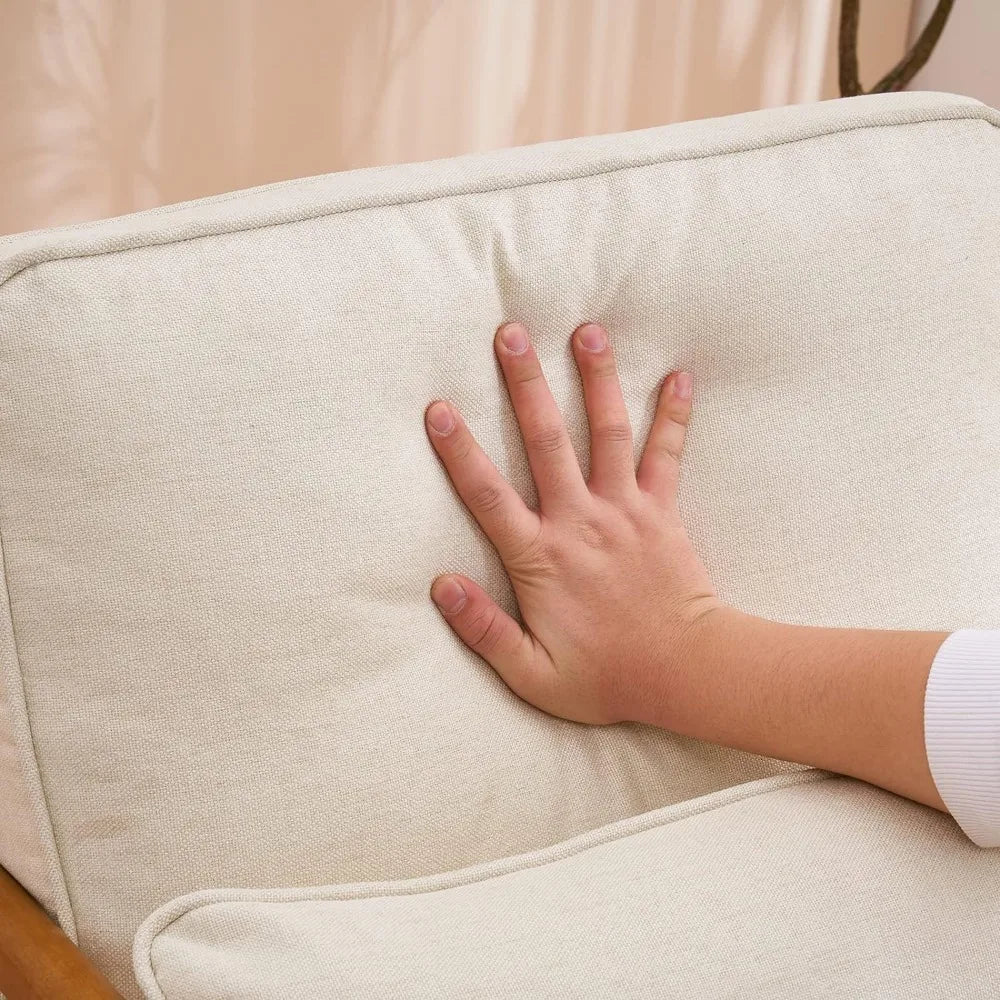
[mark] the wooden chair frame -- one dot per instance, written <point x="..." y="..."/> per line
<point x="38" y="961"/>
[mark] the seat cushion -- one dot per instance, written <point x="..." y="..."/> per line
<point x="220" y="514"/>
<point x="797" y="887"/>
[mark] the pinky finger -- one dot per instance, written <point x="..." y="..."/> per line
<point x="659" y="469"/>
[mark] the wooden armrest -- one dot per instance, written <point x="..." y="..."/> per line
<point x="38" y="961"/>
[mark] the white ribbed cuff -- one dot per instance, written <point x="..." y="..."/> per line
<point x="962" y="731"/>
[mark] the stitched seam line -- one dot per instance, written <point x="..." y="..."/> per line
<point x="630" y="827"/>
<point x="959" y="113"/>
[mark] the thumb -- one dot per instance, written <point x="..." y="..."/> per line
<point x="486" y="629"/>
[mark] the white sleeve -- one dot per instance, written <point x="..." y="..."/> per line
<point x="962" y="731"/>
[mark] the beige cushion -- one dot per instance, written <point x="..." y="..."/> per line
<point x="220" y="514"/>
<point x="797" y="887"/>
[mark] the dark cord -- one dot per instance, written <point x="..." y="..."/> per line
<point x="905" y="70"/>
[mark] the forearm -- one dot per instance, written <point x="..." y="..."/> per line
<point x="846" y="700"/>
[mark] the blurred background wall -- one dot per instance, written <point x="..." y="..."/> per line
<point x="115" y="105"/>
<point x="967" y="58"/>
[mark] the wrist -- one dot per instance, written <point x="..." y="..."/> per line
<point x="685" y="683"/>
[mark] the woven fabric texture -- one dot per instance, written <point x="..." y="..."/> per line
<point x="220" y="515"/>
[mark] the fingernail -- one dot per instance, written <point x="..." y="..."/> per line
<point x="441" y="419"/>
<point x="682" y="385"/>
<point x="448" y="594"/>
<point x="592" y="337"/>
<point x="515" y="338"/>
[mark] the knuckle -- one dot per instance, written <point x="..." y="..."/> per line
<point x="545" y="440"/>
<point x="614" y="433"/>
<point x="593" y="536"/>
<point x="643" y="517"/>
<point x="668" y="449"/>
<point x="531" y="556"/>
<point x="594" y="531"/>
<point x="527" y="373"/>
<point x="486" y="498"/>
<point x="679" y="414"/>
<point x="601" y="368"/>
<point x="460" y="447"/>
<point x="484" y="628"/>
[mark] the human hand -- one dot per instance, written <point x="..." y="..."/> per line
<point x="610" y="589"/>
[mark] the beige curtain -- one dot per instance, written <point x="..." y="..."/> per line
<point x="116" y="105"/>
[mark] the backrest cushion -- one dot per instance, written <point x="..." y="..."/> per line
<point x="220" y="515"/>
